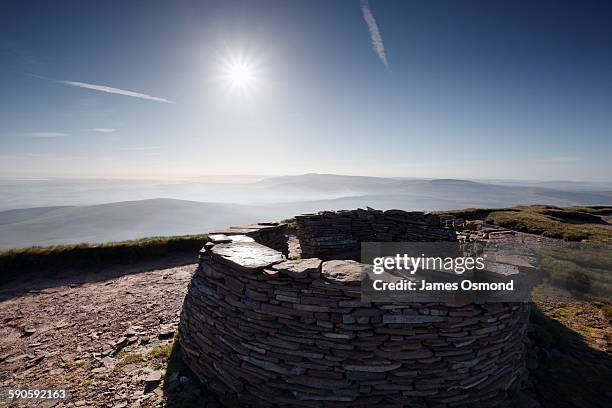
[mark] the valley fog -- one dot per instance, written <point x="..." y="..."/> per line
<point x="59" y="211"/>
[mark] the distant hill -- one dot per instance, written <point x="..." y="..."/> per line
<point x="115" y="221"/>
<point x="75" y="211"/>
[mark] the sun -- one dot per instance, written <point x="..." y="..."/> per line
<point x="240" y="74"/>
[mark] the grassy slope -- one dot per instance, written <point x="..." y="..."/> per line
<point x="24" y="260"/>
<point x="570" y="223"/>
<point x="582" y="268"/>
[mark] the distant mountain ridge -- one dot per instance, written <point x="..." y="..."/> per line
<point x="219" y="205"/>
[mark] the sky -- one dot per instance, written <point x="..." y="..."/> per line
<point x="448" y="89"/>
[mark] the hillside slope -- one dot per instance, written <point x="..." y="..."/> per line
<point x="117" y="221"/>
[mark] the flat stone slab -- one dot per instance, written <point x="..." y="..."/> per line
<point x="344" y="272"/>
<point x="240" y="238"/>
<point x="235" y="231"/>
<point x="501" y="269"/>
<point x="299" y="267"/>
<point x="248" y="229"/>
<point x="219" y="238"/>
<point x="246" y="256"/>
<point x="224" y="239"/>
<point x="514" y="259"/>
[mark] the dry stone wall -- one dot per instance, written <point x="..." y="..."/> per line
<point x="335" y="234"/>
<point x="270" y="234"/>
<point x="262" y="331"/>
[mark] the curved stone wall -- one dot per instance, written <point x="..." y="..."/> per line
<point x="337" y="234"/>
<point x="262" y="331"/>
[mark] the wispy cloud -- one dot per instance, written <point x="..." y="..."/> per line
<point x="377" y="41"/>
<point x="106" y="88"/>
<point x="104" y="130"/>
<point x="117" y="91"/>
<point x="46" y="134"/>
<point x="141" y="148"/>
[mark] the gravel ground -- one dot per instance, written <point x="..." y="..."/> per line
<point x="103" y="335"/>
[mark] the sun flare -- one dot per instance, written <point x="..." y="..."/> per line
<point x="240" y="72"/>
<point x="240" y="75"/>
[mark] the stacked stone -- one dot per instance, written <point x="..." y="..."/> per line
<point x="270" y="234"/>
<point x="334" y="234"/>
<point x="266" y="332"/>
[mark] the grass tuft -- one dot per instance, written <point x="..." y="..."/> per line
<point x="162" y="352"/>
<point x="132" y="358"/>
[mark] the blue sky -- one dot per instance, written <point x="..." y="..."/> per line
<point x="464" y="89"/>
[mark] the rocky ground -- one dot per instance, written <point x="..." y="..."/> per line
<point x="106" y="336"/>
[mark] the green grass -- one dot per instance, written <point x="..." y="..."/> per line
<point x="554" y="223"/>
<point x="606" y="309"/>
<point x="291" y="224"/>
<point x="583" y="270"/>
<point x="174" y="361"/>
<point x="472" y="214"/>
<point x="18" y="261"/>
<point x="132" y="358"/>
<point x="568" y="223"/>
<point x="162" y="352"/>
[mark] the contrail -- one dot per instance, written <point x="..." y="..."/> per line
<point x="103" y="130"/>
<point x="377" y="42"/>
<point x="46" y="134"/>
<point x="110" y="89"/>
<point x="105" y="88"/>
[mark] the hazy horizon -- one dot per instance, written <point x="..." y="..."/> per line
<point x="244" y="189"/>
<point x="57" y="211"/>
<point x="225" y="178"/>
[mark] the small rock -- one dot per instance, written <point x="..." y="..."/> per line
<point x="120" y="343"/>
<point x="16" y="358"/>
<point x="108" y="361"/>
<point x="35" y="361"/>
<point x="28" y="331"/>
<point x="154" y="376"/>
<point x="166" y="332"/>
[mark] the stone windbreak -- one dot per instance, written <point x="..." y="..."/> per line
<point x="261" y="330"/>
<point x="333" y="234"/>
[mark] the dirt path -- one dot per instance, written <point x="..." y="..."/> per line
<point x="104" y="335"/>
